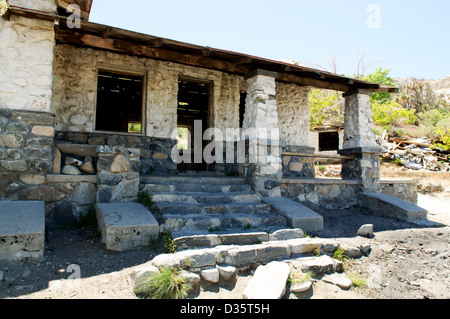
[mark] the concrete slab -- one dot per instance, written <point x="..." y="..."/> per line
<point x="392" y="206"/>
<point x="268" y="282"/>
<point x="126" y="226"/>
<point x="22" y="231"/>
<point x="298" y="215"/>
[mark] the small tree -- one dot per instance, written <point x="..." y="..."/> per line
<point x="380" y="76"/>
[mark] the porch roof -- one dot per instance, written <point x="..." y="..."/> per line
<point x="110" y="38"/>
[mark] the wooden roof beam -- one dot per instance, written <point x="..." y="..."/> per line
<point x="77" y="38"/>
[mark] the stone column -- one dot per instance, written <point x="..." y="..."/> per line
<point x="359" y="142"/>
<point x="261" y="134"/>
<point x="118" y="174"/>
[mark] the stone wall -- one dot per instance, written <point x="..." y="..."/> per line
<point x="74" y="92"/>
<point x="330" y="194"/>
<point x="26" y="61"/>
<point x="403" y="189"/>
<point x="297" y="166"/>
<point x="26" y="142"/>
<point x="320" y="194"/>
<point x="293" y="113"/>
<point x="358" y="124"/>
<point x="41" y="5"/>
<point x="118" y="172"/>
<point x="155" y="152"/>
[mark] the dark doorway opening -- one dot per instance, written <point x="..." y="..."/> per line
<point x="193" y="105"/>
<point x="328" y="141"/>
<point x="119" y="103"/>
<point x="243" y="98"/>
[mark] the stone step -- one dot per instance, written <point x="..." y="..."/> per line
<point x="196" y="239"/>
<point x="185" y="179"/>
<point x="166" y="208"/>
<point x="221" y="222"/>
<point x="392" y="207"/>
<point x="22" y="231"/>
<point x="205" y="198"/>
<point x="194" y="187"/>
<point x="298" y="215"/>
<point x="242" y="256"/>
<point x="126" y="226"/>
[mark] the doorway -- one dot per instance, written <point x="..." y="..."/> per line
<point x="193" y="105"/>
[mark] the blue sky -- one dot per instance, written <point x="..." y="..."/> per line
<point x="412" y="38"/>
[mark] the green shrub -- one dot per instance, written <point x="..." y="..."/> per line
<point x="391" y="113"/>
<point x="431" y="117"/>
<point x="324" y="106"/>
<point x="357" y="280"/>
<point x="168" y="283"/>
<point x="341" y="254"/>
<point x="145" y="199"/>
<point x="299" y="278"/>
<point x="169" y="243"/>
<point x="445" y="138"/>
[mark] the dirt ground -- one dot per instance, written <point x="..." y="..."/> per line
<point x="407" y="261"/>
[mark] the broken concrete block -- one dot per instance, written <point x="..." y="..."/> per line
<point x="22" y="228"/>
<point x="126" y="226"/>
<point x="287" y="234"/>
<point x="268" y="282"/>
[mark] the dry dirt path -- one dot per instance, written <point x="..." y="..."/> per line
<point x="406" y="262"/>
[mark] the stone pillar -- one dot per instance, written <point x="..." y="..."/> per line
<point x="118" y="174"/>
<point x="359" y="142"/>
<point x="261" y="133"/>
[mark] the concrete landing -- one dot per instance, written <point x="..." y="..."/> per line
<point x="392" y="206"/>
<point x="298" y="215"/>
<point x="126" y="226"/>
<point x="22" y="231"/>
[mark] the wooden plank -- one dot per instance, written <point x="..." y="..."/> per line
<point x="397" y="140"/>
<point x="283" y="77"/>
<point x="71" y="37"/>
<point x="318" y="156"/>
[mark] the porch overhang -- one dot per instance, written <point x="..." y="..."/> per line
<point x="113" y="39"/>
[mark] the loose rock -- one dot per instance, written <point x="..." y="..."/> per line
<point x="340" y="280"/>
<point x="226" y="272"/>
<point x="366" y="231"/>
<point x="269" y="282"/>
<point x="70" y="170"/>
<point x="211" y="275"/>
<point x="301" y="287"/>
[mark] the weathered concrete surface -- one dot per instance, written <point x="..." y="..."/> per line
<point x="392" y="206"/>
<point x="269" y="282"/>
<point x="22" y="229"/>
<point x="126" y="226"/>
<point x="299" y="216"/>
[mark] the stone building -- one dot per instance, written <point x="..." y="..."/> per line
<point x="88" y="111"/>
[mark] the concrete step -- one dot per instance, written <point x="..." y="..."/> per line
<point x="185" y="179"/>
<point x="197" y="239"/>
<point x="126" y="226"/>
<point x="392" y="206"/>
<point x="22" y="231"/>
<point x="205" y="198"/>
<point x="193" y="187"/>
<point x="199" y="223"/>
<point x="298" y="216"/>
<point x="166" y="208"/>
